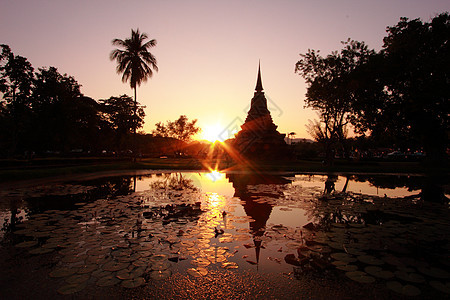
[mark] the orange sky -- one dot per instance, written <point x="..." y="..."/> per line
<point x="207" y="51"/>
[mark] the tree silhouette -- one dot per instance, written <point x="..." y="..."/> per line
<point x="180" y="129"/>
<point x="331" y="88"/>
<point x="291" y="136"/>
<point x="16" y="83"/>
<point x="119" y="113"/>
<point x="134" y="61"/>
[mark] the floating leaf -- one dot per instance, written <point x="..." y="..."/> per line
<point x="360" y="277"/>
<point x="408" y="290"/>
<point x="108" y="280"/>
<point x="378" y="272"/>
<point x="71" y="288"/>
<point x="158" y="258"/>
<point x="132" y="283"/>
<point x="77" y="278"/>
<point x="435" y="272"/>
<point x="230" y="265"/>
<point x="370" y="260"/>
<point x="63" y="272"/>
<point x="201" y="262"/>
<point x="160" y="275"/>
<point x="411" y="277"/>
<point x="445" y="288"/>
<point x="160" y="266"/>
<point x="115" y="266"/>
<point x="194" y="272"/>
<point x="85" y="269"/>
<point x="41" y="250"/>
<point x="26" y="244"/>
<point x="343" y="257"/>
<point x="347" y="268"/>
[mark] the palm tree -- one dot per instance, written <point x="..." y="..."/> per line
<point x="135" y="61"/>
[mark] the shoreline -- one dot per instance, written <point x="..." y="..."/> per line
<point x="59" y="169"/>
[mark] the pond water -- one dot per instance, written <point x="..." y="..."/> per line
<point x="131" y="229"/>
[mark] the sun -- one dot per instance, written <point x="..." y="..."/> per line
<point x="214" y="133"/>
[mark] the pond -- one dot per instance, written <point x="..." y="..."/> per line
<point x="129" y="230"/>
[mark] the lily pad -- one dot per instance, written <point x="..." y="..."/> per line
<point x="343" y="257"/>
<point x="378" y="272"/>
<point x="41" y="250"/>
<point x="160" y="265"/>
<point x="347" y="268"/>
<point x="158" y="258"/>
<point x="370" y="260"/>
<point x="410" y="277"/>
<point x="133" y="283"/>
<point x="26" y="244"/>
<point x="115" y="266"/>
<point x="435" y="272"/>
<point x="359" y="276"/>
<point x="108" y="280"/>
<point x="85" y="269"/>
<point x="201" y="262"/>
<point x="197" y="272"/>
<point x="229" y="265"/>
<point x="445" y="288"/>
<point x="63" y="272"/>
<point x="160" y="275"/>
<point x="77" y="278"/>
<point x="408" y="290"/>
<point x="71" y="288"/>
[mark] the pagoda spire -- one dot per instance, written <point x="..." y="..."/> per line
<point x="259" y="86"/>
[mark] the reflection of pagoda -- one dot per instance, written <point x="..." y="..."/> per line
<point x="259" y="139"/>
<point x="258" y="211"/>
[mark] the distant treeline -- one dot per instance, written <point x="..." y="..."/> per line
<point x="44" y="113"/>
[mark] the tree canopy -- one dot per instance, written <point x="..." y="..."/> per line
<point x="400" y="93"/>
<point x="180" y="129"/>
<point x="134" y="60"/>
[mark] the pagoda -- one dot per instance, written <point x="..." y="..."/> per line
<point x="258" y="138"/>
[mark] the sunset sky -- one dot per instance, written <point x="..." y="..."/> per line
<point x="207" y="51"/>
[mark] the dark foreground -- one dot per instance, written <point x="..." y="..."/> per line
<point x="26" y="277"/>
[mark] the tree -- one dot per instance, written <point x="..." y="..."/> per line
<point x="330" y="90"/>
<point x="180" y="129"/>
<point x="122" y="117"/>
<point x="134" y="61"/>
<point x="403" y="91"/>
<point x="291" y="136"/>
<point x="16" y="82"/>
<point x="417" y="78"/>
<point x="63" y="118"/>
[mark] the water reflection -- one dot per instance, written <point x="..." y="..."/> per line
<point x="149" y="226"/>
<point x="257" y="202"/>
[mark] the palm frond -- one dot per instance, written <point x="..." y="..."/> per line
<point x="133" y="59"/>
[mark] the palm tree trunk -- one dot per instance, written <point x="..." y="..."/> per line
<point x="135" y="125"/>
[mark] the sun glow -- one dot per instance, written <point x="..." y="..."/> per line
<point x="215" y="175"/>
<point x="214" y="133"/>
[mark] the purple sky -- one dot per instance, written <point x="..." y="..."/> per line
<point x="207" y="51"/>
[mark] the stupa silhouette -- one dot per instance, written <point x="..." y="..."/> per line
<point x="258" y="138"/>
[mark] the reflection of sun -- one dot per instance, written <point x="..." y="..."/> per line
<point x="215" y="175"/>
<point x="214" y="133"/>
<point x="214" y="199"/>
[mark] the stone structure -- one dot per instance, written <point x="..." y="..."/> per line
<point x="258" y="138"/>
